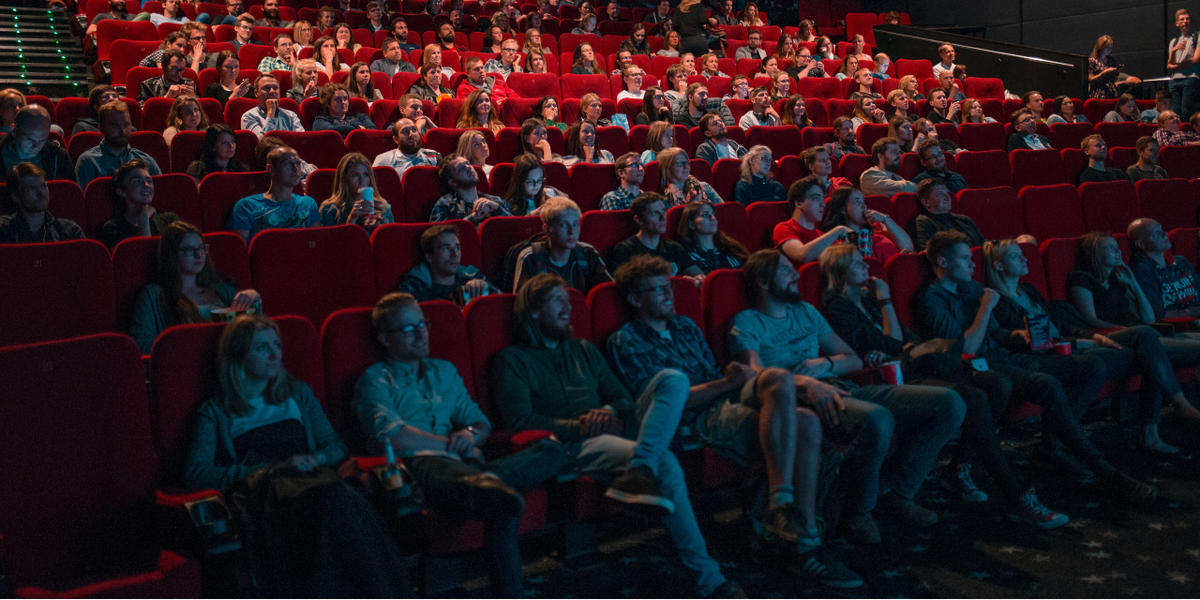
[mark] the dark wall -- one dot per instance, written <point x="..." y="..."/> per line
<point x="1137" y="26"/>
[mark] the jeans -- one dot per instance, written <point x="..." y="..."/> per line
<point x="922" y="418"/>
<point x="659" y="409"/>
<point x="986" y="395"/>
<point x="1145" y="354"/>
<point x="1185" y="96"/>
<point x="438" y="476"/>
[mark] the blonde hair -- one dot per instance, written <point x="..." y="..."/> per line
<point x="342" y="194"/>
<point x="298" y="68"/>
<point x="993" y="252"/>
<point x="233" y="349"/>
<point x="464" y="144"/>
<point x="666" y="163"/>
<point x="755" y="153"/>
<point x="834" y="262"/>
<point x="904" y="82"/>
<point x="554" y="208"/>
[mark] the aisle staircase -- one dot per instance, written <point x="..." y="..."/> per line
<point x="38" y="54"/>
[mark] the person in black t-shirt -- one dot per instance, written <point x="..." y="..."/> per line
<point x="1096" y="151"/>
<point x="649" y="211"/>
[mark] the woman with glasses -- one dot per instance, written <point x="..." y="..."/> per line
<point x="678" y="184"/>
<point x="527" y="189"/>
<point x="187" y="290"/>
<point x="655" y="107"/>
<point x="132" y="194"/>
<point x="756" y="183"/>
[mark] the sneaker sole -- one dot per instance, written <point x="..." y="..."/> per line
<point x="1040" y="524"/>
<point x="646" y="500"/>
<point x="842" y="585"/>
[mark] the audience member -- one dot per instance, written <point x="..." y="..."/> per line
<point x="186" y="114"/>
<point x="172" y="13"/>
<point x="935" y="199"/>
<point x="816" y="160"/>
<point x="429" y="86"/>
<point x="1169" y="134"/>
<point x="114" y="150"/>
<point x="1065" y="111"/>
<point x="865" y="111"/>
<point x="972" y="112"/>
<point x="393" y="59"/>
<point x="586" y="62"/>
<point x="243" y="32"/>
<point x="656" y="107"/>
<point x="218" y="154"/>
<point x="910" y="85"/>
<point x="756" y="183"/>
<point x="268" y="115"/>
<point x="527" y="190"/>
<point x="32" y="222"/>
<point x="413" y="108"/>
<point x="350" y="203"/>
<point x="270" y="10"/>
<point x="677" y="183"/>
<point x="335" y="115"/>
<point x="1168" y="281"/>
<point x="636" y="43"/>
<point x="29" y="141"/>
<point x="305" y="80"/>
<point x="700" y="235"/>
<point x="716" y="144"/>
<point x="116" y="12"/>
<point x="478" y="111"/>
<point x="806" y="65"/>
<point x="1096" y="153"/>
<point x="581" y="146"/>
<point x="172" y="83"/>
<point x="753" y="48"/>
<point x="1162" y="103"/>
<point x="409" y="151"/>
<point x="506" y="62"/>
<point x="843" y="129"/>
<point x="99" y="96"/>
<point x="560" y="252"/>
<point x="901" y="129"/>
<point x="1104" y="73"/>
<point x="547" y="110"/>
<point x="284" y="56"/>
<point x="941" y="110"/>
<point x="1183" y="63"/>
<point x="660" y="137"/>
<point x="847" y="206"/>
<point x="649" y="212"/>
<point x="697" y="106"/>
<point x="799" y="238"/>
<point x="464" y="201"/>
<point x="864" y="80"/>
<point x="883" y="177"/>
<point x="631" y="76"/>
<point x="1025" y="135"/>
<point x="591" y="110"/>
<point x="882" y="62"/>
<point x="858" y="49"/>
<point x="946" y="52"/>
<point x="1034" y="103"/>
<point x="399" y="29"/>
<point x="279" y="207"/>
<point x="132" y="196"/>
<point x="227" y="85"/>
<point x="671" y="45"/>
<point x="1126" y="111"/>
<point x="934" y="161"/>
<point x="440" y="275"/>
<point x="630" y="172"/>
<point x="1146" y="166"/>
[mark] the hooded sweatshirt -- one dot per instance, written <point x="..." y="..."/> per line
<point x="548" y="389"/>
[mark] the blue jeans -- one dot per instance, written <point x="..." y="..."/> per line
<point x="1185" y="96"/>
<point x="922" y="418"/>
<point x="659" y="409"/>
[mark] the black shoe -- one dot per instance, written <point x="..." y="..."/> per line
<point x="822" y="567"/>
<point x="488" y="497"/>
<point x="639" y="486"/>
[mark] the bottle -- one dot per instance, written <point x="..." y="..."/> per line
<point x="392" y="477"/>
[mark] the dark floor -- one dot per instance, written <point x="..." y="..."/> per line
<point x="1107" y="550"/>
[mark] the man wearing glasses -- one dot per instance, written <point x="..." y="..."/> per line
<point x="752" y="48"/>
<point x="1025" y="135"/>
<point x="233" y="10"/>
<point x="507" y="63"/>
<point x="243" y="31"/>
<point x="631" y="172"/>
<point x="1168" y="133"/>
<point x="633" y="76"/>
<point x="197" y="58"/>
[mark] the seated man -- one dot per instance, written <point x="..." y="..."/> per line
<point x="408" y="152"/>
<point x="934" y="161"/>
<point x="172" y="83"/>
<point x="799" y="238"/>
<point x="476" y="78"/>
<point x="697" y="106"/>
<point x="270" y="11"/>
<point x="1034" y="104"/>
<point x="843" y="129"/>
<point x="1025" y="135"/>
<point x="782" y="331"/>
<point x="957" y="307"/>
<point x="114" y="150"/>
<point x="883" y="177"/>
<point x="412" y="107"/>
<point x="116" y="12"/>
<point x="753" y="48"/>
<point x="649" y="212"/>
<point x="556" y="382"/>
<point x="278" y="207"/>
<point x="946" y="51"/>
<point x="283" y="59"/>
<point x="233" y="10"/>
<point x="464" y="201"/>
<point x="195" y="57"/>
<point x="244" y="33"/>
<point x="32" y="222"/>
<point x="761" y="112"/>
<point x="400" y="34"/>
<point x="1162" y="103"/>
<point x="441" y="275"/>
<point x="509" y="61"/>
<point x="716" y="144"/>
<point x="268" y="115"/>
<point x="935" y="199"/>
<point x="1169" y="281"/>
<point x="631" y="172"/>
<point x="1169" y="133"/>
<point x="30" y="141"/>
<point x="739" y="413"/>
<point x="392" y="61"/>
<point x="419" y="407"/>
<point x="561" y="252"/>
<point x="1096" y="152"/>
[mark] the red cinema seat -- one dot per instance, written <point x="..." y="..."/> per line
<point x="868" y="133"/>
<point x="1118" y="134"/>
<point x="1052" y="211"/>
<point x="921" y="69"/>
<point x="172" y="193"/>
<point x="1171" y="202"/>
<point x="984" y="87"/>
<point x="127" y="54"/>
<point x="370" y="143"/>
<point x="1070" y="135"/>
<point x="589" y="183"/>
<point x="1184" y="243"/>
<point x="609" y="311"/>
<point x="219" y="192"/>
<point x="313" y="272"/>
<point x="56" y="290"/>
<point x="321" y="148"/>
<point x="726" y="173"/>
<point x="819" y="88"/>
<point x="985" y="169"/>
<point x="1180" y="161"/>
<point x="781" y="140"/>
<point x="839" y="108"/>
<point x="854" y="165"/>
<point x="614" y="139"/>
<point x="89" y="534"/>
<point x="816" y="136"/>
<point x="445" y="141"/>
<point x="907" y="275"/>
<point x="320" y="184"/>
<point x="67" y="201"/>
<point x="1108" y="206"/>
<point x="995" y="211"/>
<point x="109" y="31"/>
<point x="498" y="235"/>
<point x="396" y="250"/>
<point x="982" y="136"/>
<point x="731" y="218"/>
<point x="603" y="229"/>
<point x="1073" y="162"/>
<point x="576" y="86"/>
<point x="1059" y="260"/>
<point x="1036" y="167"/>
<point x="762" y="219"/>
<point x="422" y="188"/>
<point x="723" y="295"/>
<point x="186" y="147"/>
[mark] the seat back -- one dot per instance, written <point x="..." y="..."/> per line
<point x="313" y="272"/>
<point x="609" y="311"/>
<point x="219" y="192"/>
<point x="1069" y="135"/>
<point x="985" y="169"/>
<point x="604" y="229"/>
<point x="1036" y="167"/>
<point x="1171" y="202"/>
<point x="984" y="87"/>
<point x="1116" y="134"/>
<point x="907" y="275"/>
<point x="396" y="250"/>
<point x="1059" y="258"/>
<point x="722" y="295"/>
<point x="995" y="211"/>
<point x="55" y="290"/>
<point x="1052" y="211"/>
<point x="762" y="219"/>
<point x="499" y="234"/>
<point x="589" y="183"/>
<point x="982" y="136"/>
<point x="1108" y="206"/>
<point x="1180" y="161"/>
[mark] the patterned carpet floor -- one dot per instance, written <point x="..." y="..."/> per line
<point x="1107" y="550"/>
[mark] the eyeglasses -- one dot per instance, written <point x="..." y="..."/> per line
<point x="409" y="329"/>
<point x="538" y="181"/>
<point x="193" y="251"/>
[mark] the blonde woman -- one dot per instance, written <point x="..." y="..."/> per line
<point x="911" y="87"/>
<point x="972" y="112"/>
<point x="859" y="50"/>
<point x="660" y="137"/>
<point x="186" y="114"/>
<point x="474" y="147"/>
<point x="677" y="183"/>
<point x="432" y="54"/>
<point x="756" y="183"/>
<point x="304" y="80"/>
<point x="302" y="36"/>
<point x="349" y="204"/>
<point x="479" y="111"/>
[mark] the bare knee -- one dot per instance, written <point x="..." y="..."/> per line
<point x="775" y="386"/>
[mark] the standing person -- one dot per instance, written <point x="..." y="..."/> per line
<point x="1183" y="62"/>
<point x="690" y="21"/>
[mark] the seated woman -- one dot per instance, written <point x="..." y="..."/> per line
<point x="527" y="189"/>
<point x="1127" y="352"/>
<point x="266" y="433"/>
<point x="304" y="80"/>
<point x="547" y="110"/>
<point x="865" y="111"/>
<point x="795" y="112"/>
<point x="863" y="81"/>
<point x="806" y="32"/>
<point x="132" y="191"/>
<point x="329" y="60"/>
<point x="757" y="183"/>
<point x="655" y="107"/>
<point x="911" y="87"/>
<point x="1147" y="165"/>
<point x="478" y="111"/>
<point x="769" y="67"/>
<point x="859" y="309"/>
<point x="359" y="83"/>
<point x="99" y="96"/>
<point x="186" y="114"/>
<point x="187" y="290"/>
<point x="676" y="180"/>
<point x="474" y="147"/>
<point x="1065" y="111"/>
<point x="781" y="86"/>
<point x="533" y="43"/>
<point x="632" y="77"/>
<point x="847" y="206"/>
<point x="351" y="202"/>
<point x="227" y="86"/>
<point x="586" y="62"/>
<point x="217" y="154"/>
<point x="710" y="66"/>
<point x="429" y="86"/>
<point x="1126" y="111"/>
<point x="825" y="48"/>
<point x="587" y="25"/>
<point x="709" y="247"/>
<point x="902" y="129"/>
<point x="433" y="54"/>
<point x="534" y="141"/>
<point x="335" y="112"/>
<point x="848" y="69"/>
<point x="581" y="146"/>
<point x="345" y="38"/>
<point x="535" y="62"/>
<point x="591" y="110"/>
<point x="637" y="43"/>
<point x="302" y="36"/>
<point x="785" y="49"/>
<point x="660" y="137"/>
<point x="493" y="42"/>
<point x="671" y="44"/>
<point x="972" y="112"/>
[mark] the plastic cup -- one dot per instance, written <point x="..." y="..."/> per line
<point x="891" y="373"/>
<point x="1063" y="348"/>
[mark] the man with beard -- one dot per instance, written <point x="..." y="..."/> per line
<point x="441" y="275"/>
<point x="464" y="201"/>
<point x="172" y="83"/>
<point x="631" y="173"/>
<point x="782" y="331"/>
<point x="116" y="12"/>
<point x="278" y="207"/>
<point x="408" y="152"/>
<point x="556" y="382"/>
<point x="883" y="177"/>
<point x="400" y="34"/>
<point x="649" y="212"/>
<point x="271" y="15"/>
<point x="445" y="37"/>
<point x="738" y="412"/>
<point x="114" y="150"/>
<point x="32" y="222"/>
<point x="716" y="144"/>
